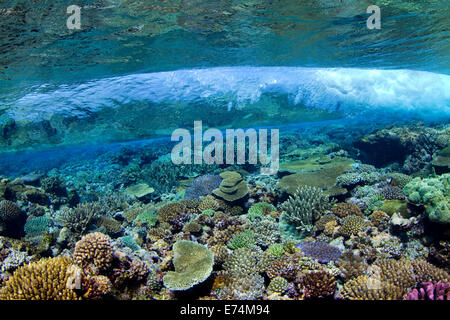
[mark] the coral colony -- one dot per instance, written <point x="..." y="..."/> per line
<point x="241" y="167"/>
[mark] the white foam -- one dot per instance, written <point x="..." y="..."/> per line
<point x="351" y="91"/>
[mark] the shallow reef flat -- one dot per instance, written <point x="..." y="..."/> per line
<point x="360" y="217"/>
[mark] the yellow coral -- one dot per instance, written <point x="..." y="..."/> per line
<point x="42" y="280"/>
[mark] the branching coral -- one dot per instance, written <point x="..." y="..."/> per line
<point x="430" y="291"/>
<point x="78" y="218"/>
<point x="94" y="250"/>
<point x="317" y="284"/>
<point x="307" y="205"/>
<point x="352" y="225"/>
<point x="367" y="288"/>
<point x="42" y="280"/>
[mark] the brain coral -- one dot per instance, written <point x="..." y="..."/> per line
<point x="95" y="250"/>
<point x="193" y="264"/>
<point x="42" y="280"/>
<point x="320" y="250"/>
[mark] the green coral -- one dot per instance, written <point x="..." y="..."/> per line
<point x="37" y="226"/>
<point x="148" y="218"/>
<point x="241" y="240"/>
<point x="129" y="242"/>
<point x="259" y="209"/>
<point x="433" y="193"/>
<point x="307" y="205"/>
<point x="276" y="250"/>
<point x="193" y="264"/>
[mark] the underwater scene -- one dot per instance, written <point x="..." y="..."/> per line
<point x="224" y="150"/>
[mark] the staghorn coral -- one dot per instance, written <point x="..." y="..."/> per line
<point x="307" y="205"/>
<point x="94" y="250"/>
<point x="42" y="280"/>
<point x="352" y="225"/>
<point x="193" y="263"/>
<point x="317" y="284"/>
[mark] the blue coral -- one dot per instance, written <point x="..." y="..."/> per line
<point x="202" y="186"/>
<point x="319" y="250"/>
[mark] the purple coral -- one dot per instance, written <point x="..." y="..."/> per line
<point x="202" y="186"/>
<point x="320" y="250"/>
<point x="430" y="291"/>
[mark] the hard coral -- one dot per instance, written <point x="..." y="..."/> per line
<point x="193" y="263"/>
<point x="232" y="188"/>
<point x="352" y="225"/>
<point x="430" y="291"/>
<point x="307" y="205"/>
<point x="94" y="250"/>
<point x="42" y="280"/>
<point x="317" y="284"/>
<point x="320" y="250"/>
<point x="344" y="209"/>
<point x="202" y="186"/>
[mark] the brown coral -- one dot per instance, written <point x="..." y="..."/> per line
<point x="93" y="250"/>
<point x="317" y="284"/>
<point x="368" y="288"/>
<point x="344" y="209"/>
<point x="42" y="280"/>
<point x="352" y="225"/>
<point x="9" y="210"/>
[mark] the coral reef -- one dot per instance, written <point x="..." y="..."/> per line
<point x="307" y="205"/>
<point x="193" y="263"/>
<point x="42" y="280"/>
<point x="232" y="188"/>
